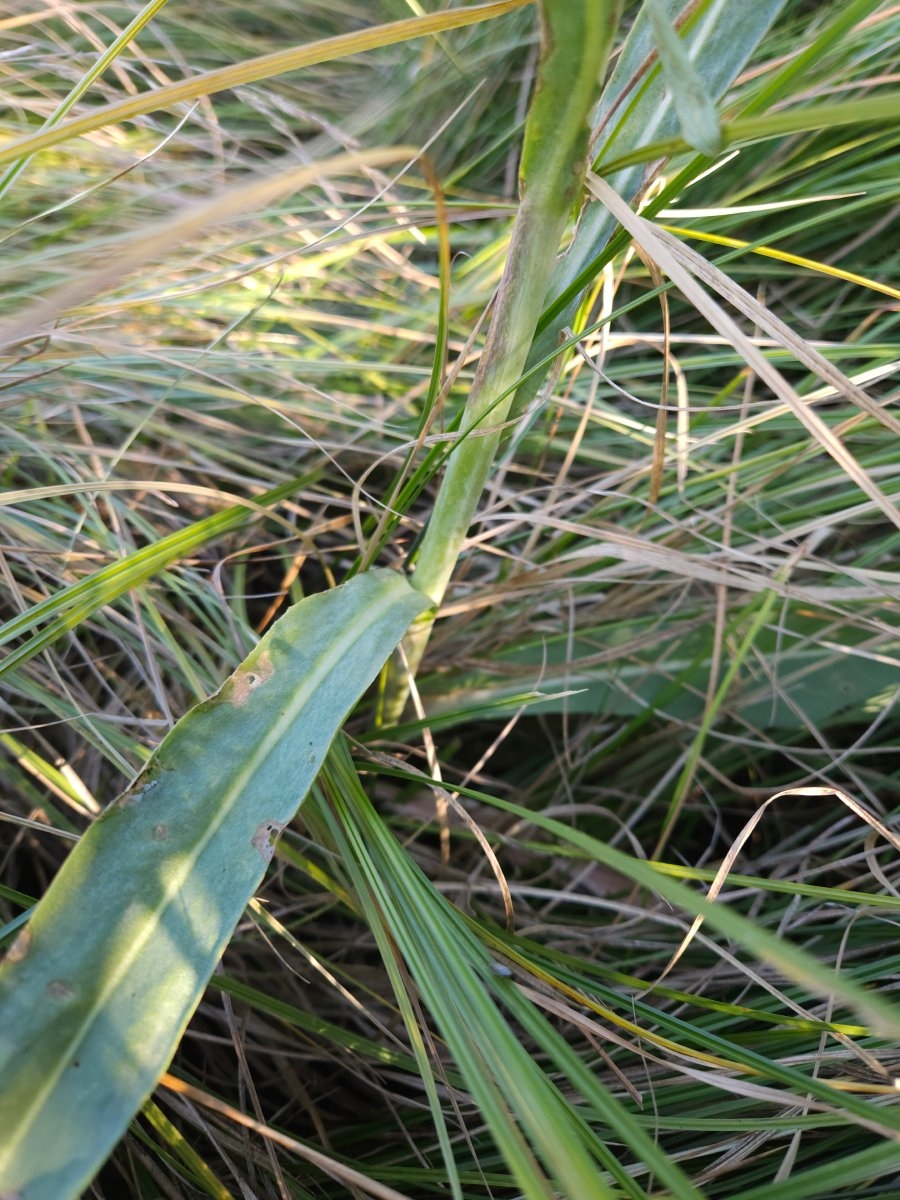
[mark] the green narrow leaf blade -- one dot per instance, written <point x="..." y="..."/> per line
<point x="693" y="103"/>
<point x="97" y="990"/>
<point x="634" y="110"/>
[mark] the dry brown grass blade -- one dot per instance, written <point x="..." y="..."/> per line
<point x="757" y="1091"/>
<point x="218" y="495"/>
<point x="642" y="555"/>
<point x="741" y="840"/>
<point x="674" y="266"/>
<point x="330" y="1166"/>
<point x="777" y="329"/>
<point x="662" y="413"/>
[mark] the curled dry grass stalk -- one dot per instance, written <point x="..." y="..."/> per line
<point x="610" y="676"/>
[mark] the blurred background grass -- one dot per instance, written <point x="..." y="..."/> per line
<point x="574" y="667"/>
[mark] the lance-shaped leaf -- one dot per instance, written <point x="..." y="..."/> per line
<point x="97" y="990"/>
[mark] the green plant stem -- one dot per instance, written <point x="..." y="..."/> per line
<point x="575" y="44"/>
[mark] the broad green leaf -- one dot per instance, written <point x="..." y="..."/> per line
<point x="97" y="990"/>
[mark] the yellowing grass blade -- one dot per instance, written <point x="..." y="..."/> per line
<point x="251" y="70"/>
<point x="98" y="988"/>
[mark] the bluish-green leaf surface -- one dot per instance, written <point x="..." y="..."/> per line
<point x="696" y="110"/>
<point x="97" y="990"/>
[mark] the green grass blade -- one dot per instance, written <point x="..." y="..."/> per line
<point x="86" y="82"/>
<point x="634" y="110"/>
<point x="71" y="605"/>
<point x="693" y="103"/>
<point x="251" y="70"/>
<point x="472" y="1007"/>
<point x="791" y="961"/>
<point x="833" y="1178"/>
<point x="871" y="111"/>
<point x="576" y="39"/>
<point x="97" y="990"/>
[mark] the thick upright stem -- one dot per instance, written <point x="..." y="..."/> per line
<point x="576" y="36"/>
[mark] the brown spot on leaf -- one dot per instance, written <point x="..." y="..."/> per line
<point x="139" y="790"/>
<point x="60" y="989"/>
<point x="19" y="948"/>
<point x="265" y="838"/>
<point x="247" y="679"/>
